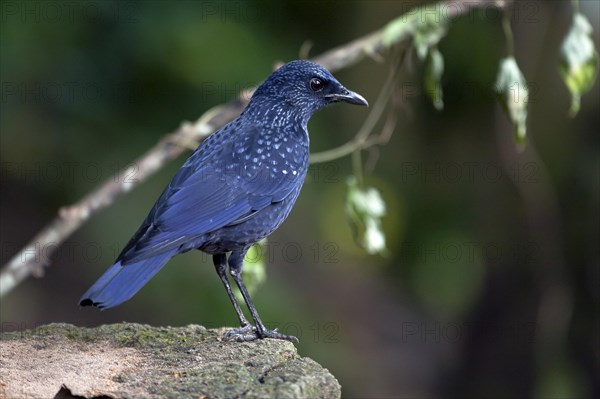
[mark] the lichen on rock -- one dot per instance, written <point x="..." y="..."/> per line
<point x="133" y="360"/>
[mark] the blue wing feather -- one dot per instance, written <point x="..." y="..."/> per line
<point x="207" y="194"/>
<point x="119" y="283"/>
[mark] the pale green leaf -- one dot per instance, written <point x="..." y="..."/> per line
<point x="425" y="24"/>
<point x="512" y="89"/>
<point x="578" y="60"/>
<point x="427" y="34"/>
<point x="434" y="69"/>
<point x="254" y="271"/>
<point x="364" y="209"/>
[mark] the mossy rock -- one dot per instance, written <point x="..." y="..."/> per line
<point x="139" y="361"/>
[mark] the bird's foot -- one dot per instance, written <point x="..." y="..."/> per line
<point x="250" y="333"/>
<point x="242" y="334"/>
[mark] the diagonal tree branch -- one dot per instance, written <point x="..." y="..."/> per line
<point x="35" y="255"/>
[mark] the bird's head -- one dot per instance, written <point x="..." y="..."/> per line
<point x="303" y="87"/>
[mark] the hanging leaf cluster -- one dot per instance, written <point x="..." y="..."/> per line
<point x="578" y="61"/>
<point x="513" y="93"/>
<point x="364" y="209"/>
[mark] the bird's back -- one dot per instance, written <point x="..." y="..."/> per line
<point x="236" y="188"/>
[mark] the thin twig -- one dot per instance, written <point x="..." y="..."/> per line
<point x="508" y="33"/>
<point x="34" y="256"/>
<point x="372" y="143"/>
<point x="360" y="139"/>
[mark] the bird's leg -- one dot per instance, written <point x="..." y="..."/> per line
<point x="236" y="261"/>
<point x="220" y="261"/>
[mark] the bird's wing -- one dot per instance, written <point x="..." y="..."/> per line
<point x="210" y="191"/>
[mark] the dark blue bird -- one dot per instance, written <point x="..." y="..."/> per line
<point x="236" y="188"/>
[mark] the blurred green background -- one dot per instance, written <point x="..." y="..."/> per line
<point x="490" y="288"/>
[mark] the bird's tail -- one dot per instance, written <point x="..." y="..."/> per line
<point x="120" y="282"/>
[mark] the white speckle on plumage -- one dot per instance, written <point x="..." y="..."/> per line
<point x="285" y="172"/>
<point x="294" y="172"/>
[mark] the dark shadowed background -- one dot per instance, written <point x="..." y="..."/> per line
<point x="490" y="287"/>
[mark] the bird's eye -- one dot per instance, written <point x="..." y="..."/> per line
<point x="316" y="84"/>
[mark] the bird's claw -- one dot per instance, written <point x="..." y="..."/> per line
<point x="277" y="335"/>
<point x="251" y="333"/>
<point x="242" y="334"/>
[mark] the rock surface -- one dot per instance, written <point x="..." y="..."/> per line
<point x="139" y="361"/>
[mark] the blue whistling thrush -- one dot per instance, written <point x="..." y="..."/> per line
<point x="236" y="188"/>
